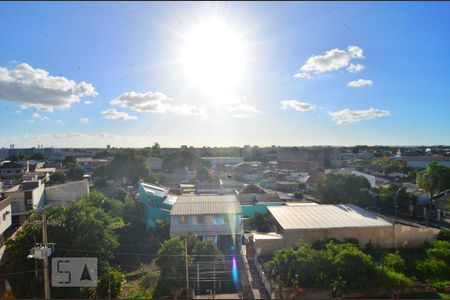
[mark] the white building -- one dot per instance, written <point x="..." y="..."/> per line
<point x="223" y="160"/>
<point x="210" y="217"/>
<point x="25" y="197"/>
<point x="5" y="215"/>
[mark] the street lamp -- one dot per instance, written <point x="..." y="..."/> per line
<point x="395" y="216"/>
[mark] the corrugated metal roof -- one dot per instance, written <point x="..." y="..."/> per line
<point x="206" y="205"/>
<point x="325" y="216"/>
<point x="155" y="190"/>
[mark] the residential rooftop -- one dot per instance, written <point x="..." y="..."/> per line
<point x="206" y="205"/>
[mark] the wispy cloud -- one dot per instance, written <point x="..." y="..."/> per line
<point x="354" y="68"/>
<point x="155" y="103"/>
<point x="331" y="60"/>
<point x="299" y="106"/>
<point x="38" y="116"/>
<point x="84" y="120"/>
<point x="360" y="83"/>
<point x="243" y="111"/>
<point x="37" y="89"/>
<point x="347" y="116"/>
<point x="113" y="114"/>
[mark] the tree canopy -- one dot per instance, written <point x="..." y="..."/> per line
<point x="434" y="179"/>
<point x="344" y="189"/>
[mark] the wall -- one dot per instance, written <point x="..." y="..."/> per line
<point x="67" y="192"/>
<point x="39" y="196"/>
<point x="422" y="164"/>
<point x="408" y="236"/>
<point x="207" y="227"/>
<point x="4" y="224"/>
<point x="405" y="236"/>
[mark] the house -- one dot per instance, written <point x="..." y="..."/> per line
<point x="421" y="162"/>
<point x="88" y="164"/>
<point x="154" y="163"/>
<point x="217" y="218"/>
<point x="221" y="186"/>
<point x="248" y="170"/>
<point x="25" y="197"/>
<point x="10" y="169"/>
<point x="253" y="194"/>
<point x="221" y="161"/>
<point x="157" y="202"/>
<point x="5" y="215"/>
<point x="285" y="186"/>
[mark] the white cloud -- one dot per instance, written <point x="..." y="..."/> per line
<point x="360" y="83"/>
<point x="38" y="116"/>
<point x="87" y="102"/>
<point x="354" y="68"/>
<point x="243" y="111"/>
<point x="331" y="60"/>
<point x="299" y="106"/>
<point x="37" y="89"/>
<point x="347" y="116"/>
<point x="84" y="120"/>
<point x="113" y="114"/>
<point x="154" y="102"/>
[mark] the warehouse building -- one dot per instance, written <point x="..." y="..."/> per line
<point x="311" y="222"/>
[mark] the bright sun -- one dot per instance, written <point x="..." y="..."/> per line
<point x="213" y="56"/>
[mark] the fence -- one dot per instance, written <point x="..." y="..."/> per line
<point x="267" y="283"/>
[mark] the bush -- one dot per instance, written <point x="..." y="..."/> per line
<point x="259" y="222"/>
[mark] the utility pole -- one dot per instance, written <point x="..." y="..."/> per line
<point x="44" y="240"/>
<point x="395" y="216"/>
<point x="187" y="270"/>
<point x="44" y="247"/>
<point x="198" y="278"/>
<point x="214" y="274"/>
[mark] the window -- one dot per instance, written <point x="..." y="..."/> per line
<point x="4" y="216"/>
<point x="183" y="219"/>
<point x="218" y="220"/>
<point x="199" y="219"/>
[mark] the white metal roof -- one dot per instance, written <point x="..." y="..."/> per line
<point x="325" y="216"/>
<point x="206" y="205"/>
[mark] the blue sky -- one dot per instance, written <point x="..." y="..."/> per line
<point x="291" y="77"/>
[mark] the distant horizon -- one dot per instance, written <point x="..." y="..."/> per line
<point x="243" y="146"/>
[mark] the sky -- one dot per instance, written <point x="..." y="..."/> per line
<point x="129" y="74"/>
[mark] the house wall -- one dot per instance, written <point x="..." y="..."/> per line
<point x="5" y="219"/>
<point x="68" y="192"/>
<point x="207" y="227"/>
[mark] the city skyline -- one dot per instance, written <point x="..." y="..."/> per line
<point x="223" y="74"/>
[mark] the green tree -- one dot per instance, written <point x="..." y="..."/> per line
<point x="298" y="195"/>
<point x="38" y="156"/>
<point x="202" y="174"/>
<point x="69" y="160"/>
<point x="58" y="178"/>
<point x="162" y="230"/>
<point x="344" y="189"/>
<point x="110" y="284"/>
<point x="259" y="222"/>
<point x="388" y="195"/>
<point x="434" y="179"/>
<point x="84" y="230"/>
<point x="75" y="173"/>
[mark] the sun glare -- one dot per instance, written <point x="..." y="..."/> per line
<point x="213" y="56"/>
